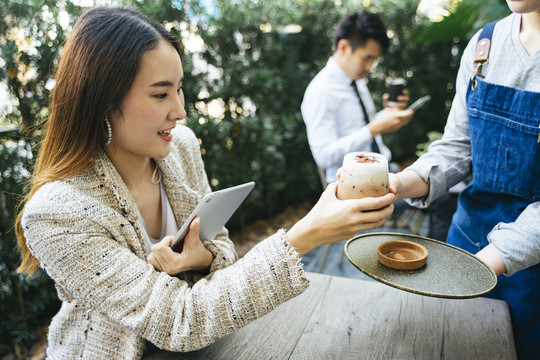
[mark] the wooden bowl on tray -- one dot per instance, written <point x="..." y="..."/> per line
<point x="402" y="255"/>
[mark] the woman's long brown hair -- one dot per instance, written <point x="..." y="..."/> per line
<point x="97" y="67"/>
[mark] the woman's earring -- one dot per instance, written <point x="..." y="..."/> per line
<point x="109" y="131"/>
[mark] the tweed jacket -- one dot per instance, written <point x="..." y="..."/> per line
<point x="87" y="234"/>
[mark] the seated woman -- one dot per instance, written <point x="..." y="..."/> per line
<point x="115" y="171"/>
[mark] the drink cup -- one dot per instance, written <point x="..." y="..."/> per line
<point x="363" y="174"/>
<point x="394" y="87"/>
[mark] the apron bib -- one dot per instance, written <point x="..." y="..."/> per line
<point x="504" y="132"/>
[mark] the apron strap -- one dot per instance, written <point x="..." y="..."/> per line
<point x="484" y="43"/>
<point x="481" y="53"/>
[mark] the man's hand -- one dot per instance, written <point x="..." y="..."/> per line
<point x="389" y="120"/>
<point x="401" y="103"/>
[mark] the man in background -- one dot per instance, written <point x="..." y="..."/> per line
<point x="337" y="109"/>
<point x="340" y="115"/>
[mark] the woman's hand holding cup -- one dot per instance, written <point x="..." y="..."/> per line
<point x="334" y="219"/>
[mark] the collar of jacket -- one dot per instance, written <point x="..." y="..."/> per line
<point x="180" y="196"/>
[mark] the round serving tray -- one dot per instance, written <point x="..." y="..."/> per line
<point x="450" y="272"/>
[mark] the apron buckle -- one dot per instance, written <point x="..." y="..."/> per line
<point x="477" y="72"/>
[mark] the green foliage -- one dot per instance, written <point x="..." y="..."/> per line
<point x="464" y="20"/>
<point x="430" y="68"/>
<point x="422" y="148"/>
<point x="264" y="70"/>
<point x="31" y="33"/>
<point x="450" y="36"/>
<point x="24" y="303"/>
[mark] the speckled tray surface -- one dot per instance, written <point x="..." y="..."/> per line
<point x="450" y="272"/>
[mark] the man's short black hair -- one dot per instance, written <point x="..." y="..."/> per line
<point x="360" y="26"/>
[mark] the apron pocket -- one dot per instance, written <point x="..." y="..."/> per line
<point x="505" y="154"/>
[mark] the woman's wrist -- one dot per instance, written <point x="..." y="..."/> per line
<point x="205" y="269"/>
<point x="300" y="237"/>
<point x="411" y="185"/>
<point x="202" y="265"/>
<point x="492" y="256"/>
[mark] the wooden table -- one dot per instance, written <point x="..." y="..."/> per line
<point x="341" y="318"/>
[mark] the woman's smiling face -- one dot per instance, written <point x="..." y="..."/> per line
<point x="151" y="108"/>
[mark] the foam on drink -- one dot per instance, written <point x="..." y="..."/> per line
<point x="363" y="174"/>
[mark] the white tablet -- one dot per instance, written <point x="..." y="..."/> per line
<point x="214" y="209"/>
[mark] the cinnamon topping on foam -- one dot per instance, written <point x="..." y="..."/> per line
<point x="366" y="159"/>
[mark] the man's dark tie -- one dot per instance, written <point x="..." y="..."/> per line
<point x="374" y="146"/>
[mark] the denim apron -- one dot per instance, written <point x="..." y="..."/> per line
<point x="504" y="131"/>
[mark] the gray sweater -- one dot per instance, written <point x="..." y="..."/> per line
<point x="449" y="160"/>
